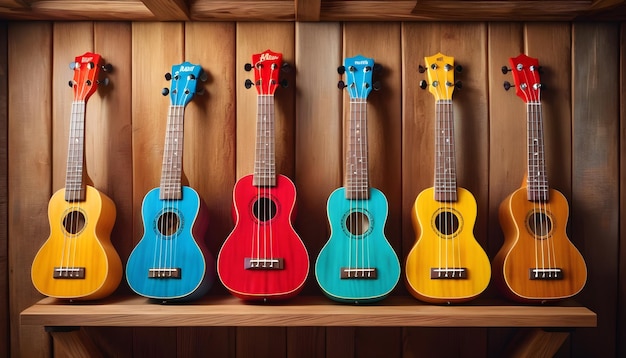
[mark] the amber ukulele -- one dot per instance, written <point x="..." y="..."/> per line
<point x="446" y="264"/>
<point x="537" y="261"/>
<point x="78" y="261"/>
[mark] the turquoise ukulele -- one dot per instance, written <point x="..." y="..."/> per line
<point x="357" y="264"/>
<point x="172" y="262"/>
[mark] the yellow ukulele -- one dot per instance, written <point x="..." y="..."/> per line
<point x="537" y="261"/>
<point x="446" y="264"/>
<point x="78" y="261"/>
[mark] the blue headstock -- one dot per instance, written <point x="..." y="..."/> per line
<point x="184" y="82"/>
<point x="358" y="71"/>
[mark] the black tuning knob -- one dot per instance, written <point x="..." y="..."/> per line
<point x="203" y="76"/>
<point x="104" y="82"/>
<point x="247" y="67"/>
<point x="507" y="85"/>
<point x="458" y="85"/>
<point x="107" y="67"/>
<point x="378" y="67"/>
<point x="341" y="85"/>
<point x="458" y="68"/>
<point x="285" y="67"/>
<point x="421" y="69"/>
<point x="376" y="86"/>
<point x="165" y="91"/>
<point x="71" y="83"/>
<point x="341" y="70"/>
<point x="249" y="84"/>
<point x="505" y="70"/>
<point x="423" y="84"/>
<point x="168" y="76"/>
<point x="284" y="83"/>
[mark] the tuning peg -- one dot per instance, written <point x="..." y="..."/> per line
<point x="247" y="67"/>
<point x="341" y="85"/>
<point x="249" y="84"/>
<point x="423" y="84"/>
<point x="352" y="69"/>
<point x="447" y="67"/>
<point x="168" y="76"/>
<point x="71" y="83"/>
<point x="341" y="70"/>
<point x="376" y="86"/>
<point x="204" y="76"/>
<point x="285" y="67"/>
<point x="458" y="85"/>
<point x="505" y="70"/>
<point x="540" y="70"/>
<point x="284" y="83"/>
<point x="107" y="67"/>
<point x="421" y="69"/>
<point x="378" y="67"/>
<point x="104" y="81"/>
<point x="458" y="68"/>
<point x="165" y="91"/>
<point x="74" y="65"/>
<point x="200" y="91"/>
<point x="507" y="85"/>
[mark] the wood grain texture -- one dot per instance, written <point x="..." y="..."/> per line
<point x="621" y="334"/>
<point x="305" y="311"/>
<point x="168" y="10"/>
<point x="29" y="138"/>
<point x="4" y="190"/>
<point x="595" y="170"/>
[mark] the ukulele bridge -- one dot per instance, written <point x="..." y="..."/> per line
<point x="69" y="272"/>
<point x="448" y="273"/>
<point x="263" y="264"/>
<point x="164" y="273"/>
<point x="360" y="273"/>
<point x="545" y="274"/>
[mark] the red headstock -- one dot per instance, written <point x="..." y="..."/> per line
<point x="526" y="75"/>
<point x="86" y="71"/>
<point x="266" y="66"/>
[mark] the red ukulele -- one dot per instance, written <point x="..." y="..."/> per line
<point x="263" y="258"/>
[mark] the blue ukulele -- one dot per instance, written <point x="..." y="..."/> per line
<point x="357" y="264"/>
<point x="172" y="262"/>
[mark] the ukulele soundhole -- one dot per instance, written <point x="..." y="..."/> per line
<point x="74" y="222"/>
<point x="447" y="223"/>
<point x="357" y="223"/>
<point x="539" y="224"/>
<point x="168" y="223"/>
<point x="264" y="209"/>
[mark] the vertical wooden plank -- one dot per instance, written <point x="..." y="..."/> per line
<point x="109" y="158"/>
<point x="472" y="138"/>
<point x="29" y="143"/>
<point x="149" y="110"/>
<point x="621" y="330"/>
<point x="69" y="40"/>
<point x="550" y="43"/>
<point x="210" y="160"/>
<point x="595" y="181"/>
<point x="4" y="191"/>
<point x="340" y="342"/>
<point x="254" y="38"/>
<point x="506" y="146"/>
<point x="381" y="41"/>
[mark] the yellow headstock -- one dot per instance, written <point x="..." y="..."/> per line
<point x="440" y="70"/>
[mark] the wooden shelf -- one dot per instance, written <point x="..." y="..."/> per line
<point x="302" y="311"/>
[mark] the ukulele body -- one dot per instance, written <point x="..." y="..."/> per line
<point x="80" y="247"/>
<point x="178" y="247"/>
<point x="446" y="241"/>
<point x="528" y="246"/>
<point x="263" y="258"/>
<point x="345" y="250"/>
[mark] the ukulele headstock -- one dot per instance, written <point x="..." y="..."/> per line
<point x="359" y="74"/>
<point x="440" y="70"/>
<point x="86" y="79"/>
<point x="267" y="66"/>
<point x="526" y="78"/>
<point x="185" y="83"/>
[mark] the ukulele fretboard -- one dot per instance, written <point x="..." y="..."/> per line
<point x="265" y="158"/>
<point x="537" y="179"/>
<point x="356" y="175"/>
<point x="74" y="185"/>
<point x="171" y="169"/>
<point x="445" y="159"/>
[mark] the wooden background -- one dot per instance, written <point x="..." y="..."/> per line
<point x="584" y="111"/>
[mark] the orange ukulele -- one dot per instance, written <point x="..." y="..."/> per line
<point x="537" y="261"/>
<point x="78" y="260"/>
<point x="446" y="264"/>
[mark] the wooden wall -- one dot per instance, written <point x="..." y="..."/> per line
<point x="584" y="111"/>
